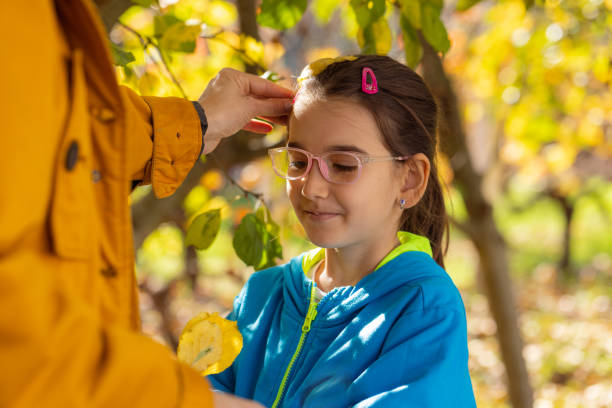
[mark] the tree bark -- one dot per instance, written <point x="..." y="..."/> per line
<point x="248" y="18"/>
<point x="248" y="25"/>
<point x="487" y="239"/>
<point x="111" y="10"/>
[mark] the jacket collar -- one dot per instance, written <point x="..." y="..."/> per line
<point x="408" y="242"/>
<point x="410" y="261"/>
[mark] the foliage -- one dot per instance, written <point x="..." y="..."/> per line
<point x="203" y="229"/>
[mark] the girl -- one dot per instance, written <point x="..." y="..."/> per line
<point x="370" y="318"/>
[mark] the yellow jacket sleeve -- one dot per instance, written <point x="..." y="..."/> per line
<point x="166" y="140"/>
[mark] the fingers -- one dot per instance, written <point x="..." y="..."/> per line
<point x="279" y="120"/>
<point x="260" y="87"/>
<point x="271" y="107"/>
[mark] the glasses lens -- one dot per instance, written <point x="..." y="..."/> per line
<point x="289" y="163"/>
<point x="343" y="167"/>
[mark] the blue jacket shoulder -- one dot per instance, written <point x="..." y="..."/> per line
<point x="436" y="288"/>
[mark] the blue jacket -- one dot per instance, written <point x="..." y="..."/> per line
<point x="396" y="339"/>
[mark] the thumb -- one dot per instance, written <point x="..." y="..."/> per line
<point x="271" y="106"/>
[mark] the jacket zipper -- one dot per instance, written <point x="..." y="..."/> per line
<point x="310" y="316"/>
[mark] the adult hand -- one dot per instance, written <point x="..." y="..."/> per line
<point x="223" y="400"/>
<point x="232" y="99"/>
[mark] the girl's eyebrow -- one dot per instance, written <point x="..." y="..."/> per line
<point x="347" y="148"/>
<point x="335" y="148"/>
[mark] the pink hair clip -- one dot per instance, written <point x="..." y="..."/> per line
<point x="368" y="87"/>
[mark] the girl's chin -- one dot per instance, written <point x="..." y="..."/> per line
<point x="324" y="240"/>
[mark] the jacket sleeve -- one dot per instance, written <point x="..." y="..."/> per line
<point x="423" y="364"/>
<point x="165" y="140"/>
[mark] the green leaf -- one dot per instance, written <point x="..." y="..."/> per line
<point x="375" y="38"/>
<point x="437" y="4"/>
<point x="463" y="5"/>
<point x="263" y="213"/>
<point x="256" y="240"/>
<point x="203" y="229"/>
<point x="433" y="28"/>
<point x="249" y="240"/>
<point x="412" y="45"/>
<point x="273" y="248"/>
<point x="129" y="73"/>
<point x="163" y="22"/>
<point x="368" y="11"/>
<point x="281" y="14"/>
<point x="120" y="56"/>
<point x="411" y="10"/>
<point x="180" y="37"/>
<point x="323" y="10"/>
<point x="144" y="3"/>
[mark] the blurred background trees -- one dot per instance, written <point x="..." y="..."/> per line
<point x="526" y="146"/>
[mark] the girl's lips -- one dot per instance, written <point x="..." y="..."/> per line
<point x="320" y="216"/>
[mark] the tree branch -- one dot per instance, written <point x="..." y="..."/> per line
<point x="149" y="211"/>
<point x="148" y="41"/>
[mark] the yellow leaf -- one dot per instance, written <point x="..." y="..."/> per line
<point x="148" y="84"/>
<point x="230" y="38"/>
<point x="319" y="53"/>
<point x="222" y="13"/>
<point x="601" y="67"/>
<point x="209" y="343"/>
<point x="377" y="35"/>
<point x="589" y="134"/>
<point x="559" y="157"/>
<point x="252" y="48"/>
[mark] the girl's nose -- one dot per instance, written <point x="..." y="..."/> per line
<point x="314" y="184"/>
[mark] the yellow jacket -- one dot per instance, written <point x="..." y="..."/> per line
<point x="71" y="143"/>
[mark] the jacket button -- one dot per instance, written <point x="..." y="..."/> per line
<point x="106" y="115"/>
<point x="109" y="272"/>
<point x="72" y="155"/>
<point x="102" y="114"/>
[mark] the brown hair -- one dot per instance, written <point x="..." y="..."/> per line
<point x="405" y="112"/>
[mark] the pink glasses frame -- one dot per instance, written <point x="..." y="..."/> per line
<point x="361" y="159"/>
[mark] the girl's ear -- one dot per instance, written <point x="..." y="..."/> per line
<point x="415" y="174"/>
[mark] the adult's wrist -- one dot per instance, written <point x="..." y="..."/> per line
<point x="203" y="121"/>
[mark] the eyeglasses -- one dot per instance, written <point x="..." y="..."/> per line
<point x="292" y="163"/>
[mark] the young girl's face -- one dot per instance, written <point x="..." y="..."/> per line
<point x="343" y="215"/>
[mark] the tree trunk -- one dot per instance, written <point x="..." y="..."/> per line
<point x="487" y="239"/>
<point x="111" y="10"/>
<point x="248" y="25"/>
